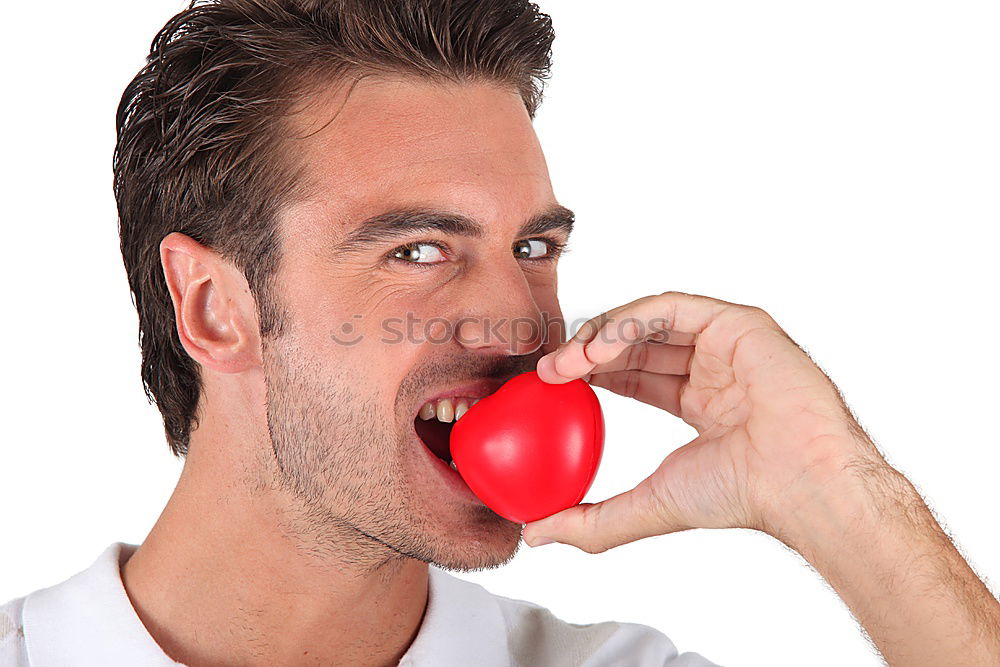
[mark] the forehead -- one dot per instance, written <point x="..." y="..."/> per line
<point x="385" y="143"/>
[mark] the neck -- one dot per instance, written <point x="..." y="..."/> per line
<point x="228" y="575"/>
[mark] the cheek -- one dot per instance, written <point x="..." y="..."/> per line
<point x="390" y="339"/>
<point x="352" y="315"/>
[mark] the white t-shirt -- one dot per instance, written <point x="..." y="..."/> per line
<point x="88" y="621"/>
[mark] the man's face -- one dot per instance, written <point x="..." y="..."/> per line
<point x="385" y="316"/>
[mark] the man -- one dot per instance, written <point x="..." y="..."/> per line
<point x="300" y="180"/>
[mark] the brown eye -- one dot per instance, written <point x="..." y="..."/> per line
<point x="419" y="253"/>
<point x="531" y="249"/>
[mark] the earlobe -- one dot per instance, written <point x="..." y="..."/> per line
<point x="215" y="326"/>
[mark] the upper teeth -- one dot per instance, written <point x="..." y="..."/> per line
<point x="447" y="409"/>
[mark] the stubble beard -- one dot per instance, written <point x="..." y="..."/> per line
<point x="337" y="457"/>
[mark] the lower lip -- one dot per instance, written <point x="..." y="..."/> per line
<point x="451" y="477"/>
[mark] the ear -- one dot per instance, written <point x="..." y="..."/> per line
<point x="213" y="306"/>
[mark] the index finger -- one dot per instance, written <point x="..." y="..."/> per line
<point x="601" y="339"/>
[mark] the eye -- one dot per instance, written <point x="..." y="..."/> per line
<point x="534" y="249"/>
<point x="419" y="252"/>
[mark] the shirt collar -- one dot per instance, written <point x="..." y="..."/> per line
<point x="89" y="621"/>
<point x="463" y="625"/>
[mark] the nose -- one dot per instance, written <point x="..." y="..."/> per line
<point x="503" y="316"/>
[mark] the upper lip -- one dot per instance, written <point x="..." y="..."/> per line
<point x="477" y="389"/>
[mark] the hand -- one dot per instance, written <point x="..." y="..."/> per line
<point x="773" y="430"/>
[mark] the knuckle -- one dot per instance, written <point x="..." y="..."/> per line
<point x="592" y="516"/>
<point x="756" y="315"/>
<point x="631" y="383"/>
<point x="635" y="357"/>
<point x="662" y="501"/>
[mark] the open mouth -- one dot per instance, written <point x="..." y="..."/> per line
<point x="435" y="420"/>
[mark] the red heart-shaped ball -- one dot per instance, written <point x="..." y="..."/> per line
<point x="532" y="448"/>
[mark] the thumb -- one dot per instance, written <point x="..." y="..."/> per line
<point x="596" y="527"/>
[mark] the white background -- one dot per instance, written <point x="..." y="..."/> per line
<point x="836" y="164"/>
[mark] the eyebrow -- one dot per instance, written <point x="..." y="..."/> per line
<point x="399" y="223"/>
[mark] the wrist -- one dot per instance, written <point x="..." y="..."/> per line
<point x="841" y="504"/>
<point x="868" y="533"/>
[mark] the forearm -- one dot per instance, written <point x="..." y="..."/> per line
<point x="877" y="544"/>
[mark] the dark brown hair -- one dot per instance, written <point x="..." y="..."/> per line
<point x="199" y="148"/>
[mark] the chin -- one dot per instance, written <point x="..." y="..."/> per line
<point x="467" y="538"/>
<point x="478" y="555"/>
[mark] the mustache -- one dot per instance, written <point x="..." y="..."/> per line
<point x="466" y="369"/>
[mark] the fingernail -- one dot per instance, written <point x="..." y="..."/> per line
<point x="541" y="541"/>
<point x="546" y="360"/>
<point x="553" y="357"/>
<point x="551" y="370"/>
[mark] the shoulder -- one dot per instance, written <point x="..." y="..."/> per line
<point x="84" y="620"/>
<point x="536" y="636"/>
<point x="13" y="652"/>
